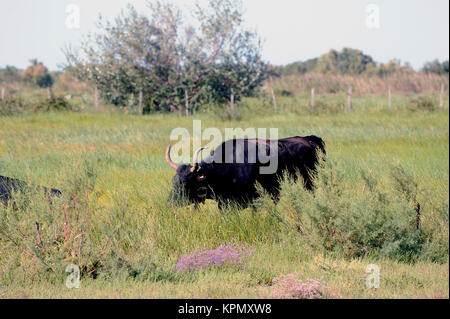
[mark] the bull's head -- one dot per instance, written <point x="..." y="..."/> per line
<point x="189" y="183"/>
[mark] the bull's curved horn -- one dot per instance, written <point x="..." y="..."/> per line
<point x="195" y="164"/>
<point x="168" y="160"/>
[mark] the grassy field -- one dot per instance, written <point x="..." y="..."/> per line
<point x="127" y="239"/>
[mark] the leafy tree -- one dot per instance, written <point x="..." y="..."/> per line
<point x="348" y="61"/>
<point x="436" y="67"/>
<point x="233" y="53"/>
<point x="38" y="74"/>
<point x="10" y="74"/>
<point x="300" y="67"/>
<point x="169" y="60"/>
<point x="391" y="67"/>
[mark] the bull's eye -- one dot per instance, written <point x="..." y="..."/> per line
<point x="201" y="176"/>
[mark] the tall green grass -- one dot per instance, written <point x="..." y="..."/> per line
<point x="114" y="220"/>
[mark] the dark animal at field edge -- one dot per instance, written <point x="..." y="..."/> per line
<point x="220" y="177"/>
<point x="10" y="185"/>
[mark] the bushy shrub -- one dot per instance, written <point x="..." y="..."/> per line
<point x="74" y="229"/>
<point x="38" y="74"/>
<point x="283" y="92"/>
<point x="363" y="219"/>
<point x="11" y="105"/>
<point x="63" y="236"/>
<point x="436" y="247"/>
<point x="57" y="103"/>
<point x="422" y="103"/>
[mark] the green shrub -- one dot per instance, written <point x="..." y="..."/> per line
<point x="57" y="103"/>
<point x="11" y="105"/>
<point x="362" y="220"/>
<point x="65" y="234"/>
<point x="436" y="247"/>
<point x="422" y="103"/>
<point x="283" y="92"/>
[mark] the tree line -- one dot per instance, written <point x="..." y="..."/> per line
<point x="37" y="74"/>
<point x="350" y="61"/>
<point x="168" y="59"/>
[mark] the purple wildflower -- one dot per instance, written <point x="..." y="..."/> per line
<point x="292" y="287"/>
<point x="232" y="254"/>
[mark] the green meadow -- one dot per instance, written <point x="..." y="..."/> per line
<point x="115" y="223"/>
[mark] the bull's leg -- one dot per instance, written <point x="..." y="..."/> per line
<point x="238" y="203"/>
<point x="222" y="205"/>
<point x="307" y="178"/>
<point x="308" y="183"/>
<point x="272" y="187"/>
<point x="276" y="198"/>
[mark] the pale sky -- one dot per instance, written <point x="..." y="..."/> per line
<point x="413" y="31"/>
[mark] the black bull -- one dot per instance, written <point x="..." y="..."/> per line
<point x="10" y="185"/>
<point x="232" y="181"/>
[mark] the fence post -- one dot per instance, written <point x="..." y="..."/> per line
<point x="232" y="99"/>
<point x="313" y="99"/>
<point x="275" y="105"/>
<point x="49" y="93"/>
<point x="3" y="94"/>
<point x="349" y="99"/>
<point x="140" y="102"/>
<point x="186" y="101"/>
<point x="389" y="98"/>
<point x="96" y="98"/>
<point x="441" y="98"/>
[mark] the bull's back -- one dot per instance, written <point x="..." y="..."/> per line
<point x="9" y="185"/>
<point x="248" y="151"/>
